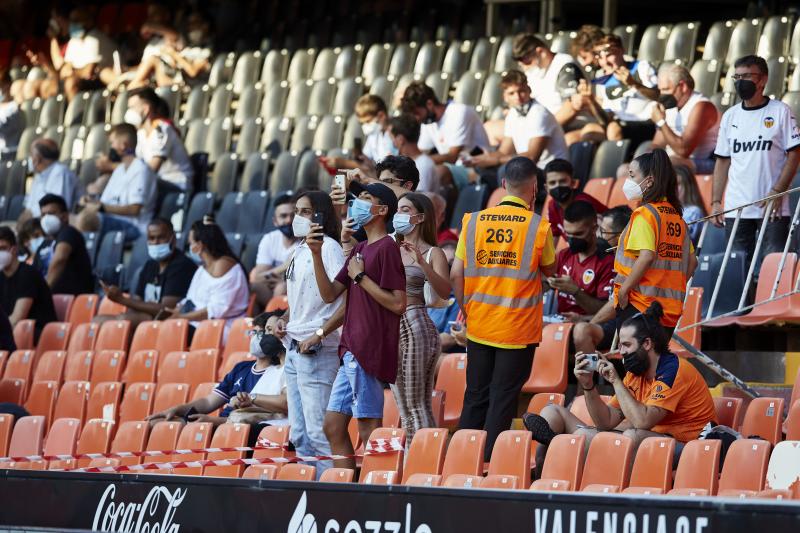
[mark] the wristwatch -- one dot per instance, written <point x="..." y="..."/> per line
<point x="320" y="333"/>
<point x="253" y="397"/>
<point x="660" y="123"/>
<point x="359" y="277"/>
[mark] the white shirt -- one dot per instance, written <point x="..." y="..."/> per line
<point x="544" y="82"/>
<point x="272" y="251"/>
<point x="165" y="143"/>
<point x="756" y="141"/>
<point x="56" y="179"/>
<point x="678" y="119"/>
<point x="307" y="311"/>
<point x="460" y="125"/>
<point x="427" y="174"/>
<point x="225" y="297"/>
<point x="538" y="122"/>
<point x="378" y="145"/>
<point x="272" y="383"/>
<point x="135" y="184"/>
<point x="628" y="103"/>
<point x="12" y="122"/>
<point x="93" y="47"/>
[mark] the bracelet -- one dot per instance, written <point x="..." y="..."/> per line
<point x="590" y="388"/>
<point x="661" y="123"/>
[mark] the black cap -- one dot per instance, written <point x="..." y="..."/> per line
<point x="379" y="191"/>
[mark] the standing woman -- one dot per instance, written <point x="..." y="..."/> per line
<point x="655" y="257"/>
<point x="415" y="225"/>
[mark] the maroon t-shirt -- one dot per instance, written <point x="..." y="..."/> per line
<point x="371" y="332"/>
<point x="556" y="215"/>
<point x="594" y="276"/>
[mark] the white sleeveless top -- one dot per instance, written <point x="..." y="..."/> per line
<point x="677" y="119"/>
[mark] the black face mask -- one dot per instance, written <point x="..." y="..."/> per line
<point x="287" y="231"/>
<point x="272" y="348"/>
<point x="114" y="156"/>
<point x="637" y="362"/>
<point x="561" y="194"/>
<point x="603" y="245"/>
<point x="668" y="101"/>
<point x="578" y="245"/>
<point x="746" y="89"/>
<point x="430" y="118"/>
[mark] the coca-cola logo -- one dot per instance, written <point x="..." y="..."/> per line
<point x="153" y="515"/>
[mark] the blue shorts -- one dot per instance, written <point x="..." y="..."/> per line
<point x="109" y="223"/>
<point x="355" y="393"/>
<point x="460" y="175"/>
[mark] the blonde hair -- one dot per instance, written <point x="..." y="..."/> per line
<point x="369" y="105"/>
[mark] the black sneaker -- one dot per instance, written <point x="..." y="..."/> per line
<point x="539" y="428"/>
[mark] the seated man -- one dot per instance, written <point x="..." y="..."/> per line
<point x="50" y="176"/>
<point x="371" y="112"/>
<point x="129" y="198"/>
<point x="163" y="280"/>
<point x="598" y="333"/>
<point x="687" y="122"/>
<point x="274" y="250"/>
<point x="251" y="390"/>
<point x="582" y="48"/>
<point x="12" y="120"/>
<point x="23" y="292"/>
<point x="405" y="131"/>
<point x="530" y="129"/>
<point x="662" y="395"/>
<point x="70" y="268"/>
<point x="585" y="273"/>
<point x="454" y="130"/>
<point x="563" y="189"/>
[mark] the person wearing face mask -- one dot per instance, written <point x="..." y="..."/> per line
<point x="563" y="190"/>
<point x="274" y="252"/>
<point x="687" y="123"/>
<point x="405" y="130"/>
<point x="24" y="294"/>
<point x="661" y="395"/>
<point x="50" y="176"/>
<point x="427" y="283"/>
<point x="503" y="253"/>
<point x="256" y="385"/>
<point x="655" y="257"/>
<point x="530" y="129"/>
<point x="374" y="279"/>
<point x="12" y="120"/>
<point x="70" y="269"/>
<point x="756" y="156"/>
<point x="30" y="237"/>
<point x="129" y="198"/>
<point x="373" y="116"/>
<point x="310" y="326"/>
<point x="163" y="280"/>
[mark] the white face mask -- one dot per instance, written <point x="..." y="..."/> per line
<point x="30" y="164"/>
<point x="195" y="36"/>
<point x="632" y="190"/>
<point x="369" y="128"/>
<point x="51" y="224"/>
<point x="5" y="258"/>
<point x="301" y="226"/>
<point x="133" y="117"/>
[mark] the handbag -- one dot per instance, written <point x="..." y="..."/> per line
<point x="431" y="298"/>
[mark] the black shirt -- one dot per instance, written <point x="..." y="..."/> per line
<point x="173" y="281"/>
<point x="77" y="277"/>
<point x="28" y="283"/>
<point x="7" y="342"/>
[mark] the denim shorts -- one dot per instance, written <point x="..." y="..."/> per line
<point x="355" y="393"/>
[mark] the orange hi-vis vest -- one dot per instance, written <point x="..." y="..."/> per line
<point x="665" y="280"/>
<point x="502" y="285"/>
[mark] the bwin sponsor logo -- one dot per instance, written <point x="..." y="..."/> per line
<point x="752" y="146"/>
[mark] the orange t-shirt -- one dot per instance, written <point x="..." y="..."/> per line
<point x="678" y="388"/>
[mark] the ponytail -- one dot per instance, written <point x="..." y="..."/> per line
<point x="647" y="325"/>
<point x="665" y="181"/>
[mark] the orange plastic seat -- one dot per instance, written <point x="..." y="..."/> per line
<point x="108" y="366"/>
<point x="392" y="462"/>
<point x="228" y="435"/>
<point x="745" y="470"/>
<point x="27" y="439"/>
<point x="50" y="367"/>
<point x="599" y="188"/>
<point x="277" y="303"/>
<point x="137" y="403"/>
<point x="511" y="455"/>
<point x="462" y="481"/>
<point x="231" y="361"/>
<point x="795" y="388"/>
<point x="652" y="468"/>
<point x="452" y="379"/>
<point x="172" y="336"/>
<point x="549" y="370"/>
<point x="104" y="399"/>
<point x="617" y="196"/>
<point x="20" y="365"/>
<point x="763" y="419"/>
<point x="541" y="400"/>
<point x="131" y="437"/>
<point x="146" y="336"/>
<point x="728" y="411"/>
<point x="296" y="472"/>
<point x="12" y="390"/>
<point x="95" y="438"/>
<point x="337" y="475"/>
<point x="72" y="401"/>
<point x="423" y="480"/>
<point x="563" y="464"/>
<point x="141" y="367"/>
<point x="195" y="367"/>
<point x="426" y="453"/>
<point x="608" y="463"/>
<point x="774" y="494"/>
<point x="6" y="428"/>
<point x="83" y="337"/>
<point x="55" y="336"/>
<point x="194" y="435"/>
<point x="238" y="341"/>
<point x="465" y="453"/>
<point x="78" y="366"/>
<point x="500" y="481"/>
<point x="697" y="469"/>
<point x="105" y="461"/>
<point x="107" y="307"/>
<point x="169" y="395"/>
<point x="704" y="184"/>
<point x="23" y="334"/>
<point x="62" y="304"/>
<point x="113" y="335"/>
<point x="84" y="309"/>
<point x="437" y="406"/>
<point x="275" y="434"/>
<point x="793" y="422"/>
<point x="208" y="335"/>
<point x="202" y="390"/>
<point x="163" y="436"/>
<point x="3" y="360"/>
<point x="391" y="415"/>
<point x="692" y="314"/>
<point x="260" y="472"/>
<point x="62" y="439"/>
<point x="380" y="477"/>
<point x="42" y="400"/>
<point x="579" y="409"/>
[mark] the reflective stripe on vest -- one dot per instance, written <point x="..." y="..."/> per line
<point x="516" y="303"/>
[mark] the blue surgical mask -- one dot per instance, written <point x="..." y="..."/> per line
<point x="75" y="30"/>
<point x="402" y="223"/>
<point x="361" y="211"/>
<point x="195" y="257"/>
<point x="35" y="243"/>
<point x="394" y="150"/>
<point x="159" y="252"/>
<point x="356" y="227"/>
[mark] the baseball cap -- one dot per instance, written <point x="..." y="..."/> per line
<point x="381" y="192"/>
